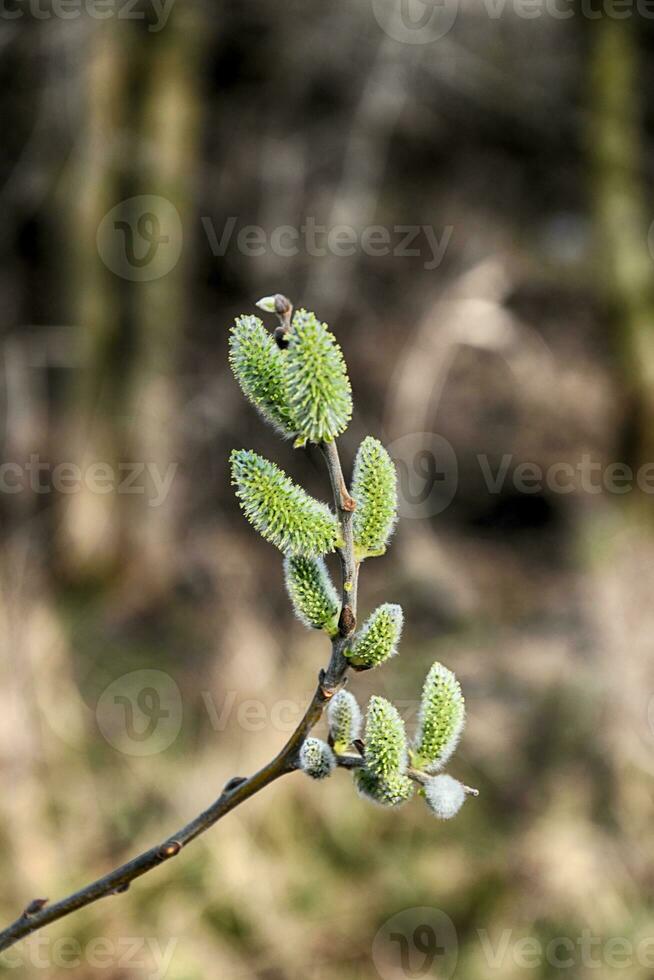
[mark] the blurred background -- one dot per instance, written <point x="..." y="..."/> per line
<point x="463" y="191"/>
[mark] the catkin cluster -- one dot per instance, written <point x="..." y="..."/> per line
<point x="298" y="382"/>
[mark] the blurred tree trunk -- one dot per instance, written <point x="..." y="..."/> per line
<point x="622" y="216"/>
<point x="141" y="90"/>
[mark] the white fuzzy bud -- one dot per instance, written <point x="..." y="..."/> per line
<point x="344" y="716"/>
<point x="316" y="758"/>
<point x="445" y="796"/>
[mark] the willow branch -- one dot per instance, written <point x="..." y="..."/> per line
<point x="40" y="913"/>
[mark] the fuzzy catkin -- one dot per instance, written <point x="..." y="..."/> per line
<point x="258" y="366"/>
<point x="317" y="386"/>
<point x="374" y="487"/>
<point x="379" y="637"/>
<point x="283" y="513"/>
<point x="316" y="758"/>
<point x="312" y="594"/>
<point x="445" y="796"/>
<point x="344" y="717"/>
<point x="441" y="720"/>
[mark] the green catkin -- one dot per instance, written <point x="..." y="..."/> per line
<point x="316" y="758"/>
<point x="379" y="637"/>
<point x="374" y="487"/>
<point x="344" y="717"/>
<point x="283" y="513"/>
<point x="258" y="366"/>
<point x="392" y="791"/>
<point x="385" y="739"/>
<point x="312" y="594"/>
<point x="383" y="780"/>
<point x="441" y="720"/>
<point x="317" y="386"/>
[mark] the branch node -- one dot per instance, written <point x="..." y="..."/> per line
<point x="35" y="906"/>
<point x="232" y="783"/>
<point x="170" y="849"/>
<point x="347" y="621"/>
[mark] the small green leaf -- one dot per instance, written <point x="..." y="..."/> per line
<point x="282" y="512"/>
<point x="344" y="717"/>
<point x="317" y="385"/>
<point x="378" y="639"/>
<point x="441" y="720"/>
<point x="374" y="487"/>
<point x="314" y="598"/>
<point x="258" y="366"/>
<point x="316" y="758"/>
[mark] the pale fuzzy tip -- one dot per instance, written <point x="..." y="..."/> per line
<point x="445" y="796"/>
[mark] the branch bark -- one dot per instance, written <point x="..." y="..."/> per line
<point x="40" y="913"/>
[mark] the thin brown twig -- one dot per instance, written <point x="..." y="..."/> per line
<point x="39" y="912"/>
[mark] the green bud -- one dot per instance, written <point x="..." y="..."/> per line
<point x="267" y="304"/>
<point x="385" y="740"/>
<point x="374" y="487"/>
<point x="445" y="796"/>
<point x="258" y="366"/>
<point x="344" y="717"/>
<point x="378" y="639"/>
<point x="318" y="388"/>
<point x="316" y="758"/>
<point x="441" y="720"/>
<point x="280" y="510"/>
<point x="393" y="791"/>
<point x="314" y="598"/>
